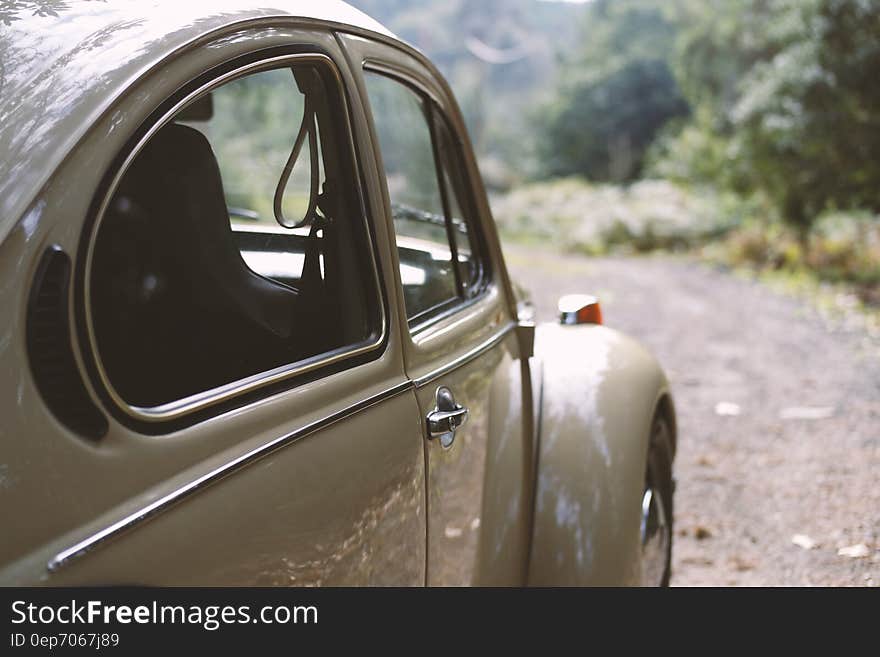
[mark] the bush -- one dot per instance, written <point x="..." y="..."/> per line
<point x="573" y="214"/>
<point x="845" y="249"/>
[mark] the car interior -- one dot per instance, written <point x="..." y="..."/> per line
<point x="184" y="299"/>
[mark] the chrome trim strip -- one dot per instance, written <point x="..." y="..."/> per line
<point x="466" y="357"/>
<point x="201" y="400"/>
<point x="110" y="532"/>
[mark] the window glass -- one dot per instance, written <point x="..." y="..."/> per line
<point x="234" y="243"/>
<point x="426" y="271"/>
<point x="271" y="105"/>
<point x="470" y="271"/>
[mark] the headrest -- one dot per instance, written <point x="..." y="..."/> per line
<point x="200" y="110"/>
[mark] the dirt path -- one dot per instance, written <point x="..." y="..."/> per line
<point x="747" y="482"/>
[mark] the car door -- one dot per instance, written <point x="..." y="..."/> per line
<point x="459" y="344"/>
<point x="260" y="426"/>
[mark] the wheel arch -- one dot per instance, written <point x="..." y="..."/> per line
<point x="601" y="391"/>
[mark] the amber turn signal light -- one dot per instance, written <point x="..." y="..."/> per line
<point x="579" y="309"/>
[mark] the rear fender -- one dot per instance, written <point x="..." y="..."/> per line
<point x="599" y="394"/>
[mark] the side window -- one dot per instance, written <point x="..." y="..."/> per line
<point x="235" y="243"/>
<point x="438" y="264"/>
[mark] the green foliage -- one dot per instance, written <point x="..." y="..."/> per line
<point x="603" y="129"/>
<point x="615" y="95"/>
<point x="693" y="153"/>
<point x="573" y="214"/>
<point x="844" y="250"/>
<point x="717" y="43"/>
<point x="786" y="92"/>
<point x="811" y="119"/>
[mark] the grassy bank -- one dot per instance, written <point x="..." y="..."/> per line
<point x="595" y="219"/>
<point x="838" y="265"/>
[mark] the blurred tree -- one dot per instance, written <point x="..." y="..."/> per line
<point x="602" y="130"/>
<point x="787" y="102"/>
<point x="717" y="43"/>
<point x="615" y="93"/>
<point x="808" y="119"/>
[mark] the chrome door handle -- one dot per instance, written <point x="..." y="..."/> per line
<point x="446" y="417"/>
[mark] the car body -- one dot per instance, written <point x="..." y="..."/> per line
<point x="229" y="363"/>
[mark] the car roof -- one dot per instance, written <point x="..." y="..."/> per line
<point x="64" y="62"/>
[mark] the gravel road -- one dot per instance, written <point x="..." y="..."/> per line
<point x="778" y="465"/>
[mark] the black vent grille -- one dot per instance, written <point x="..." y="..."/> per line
<point x="50" y="353"/>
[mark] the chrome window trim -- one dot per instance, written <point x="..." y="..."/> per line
<point x="400" y="74"/>
<point x="199" y="401"/>
<point x="466" y="357"/>
<point x="145" y="513"/>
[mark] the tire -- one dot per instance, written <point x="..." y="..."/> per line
<point x="657" y="531"/>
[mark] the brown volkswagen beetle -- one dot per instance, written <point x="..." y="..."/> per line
<point x="257" y="328"/>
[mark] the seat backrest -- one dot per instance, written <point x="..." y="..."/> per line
<point x="177" y="179"/>
<point x="174" y="284"/>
